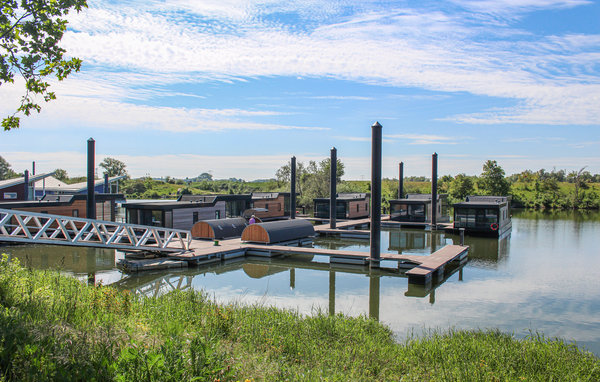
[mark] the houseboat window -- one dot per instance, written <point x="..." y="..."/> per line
<point x="491" y="215"/>
<point x="218" y="214"/>
<point x="416" y="210"/>
<point x="10" y="195"/>
<point x="267" y="206"/>
<point x="45" y="212"/>
<point x="195" y="217"/>
<point x="75" y="213"/>
<point x="157" y="218"/>
<point x="279" y="207"/>
<point x="358" y="208"/>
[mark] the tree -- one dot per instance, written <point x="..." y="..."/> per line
<point x="113" y="167"/>
<point x="5" y="171"/>
<point x="492" y="181"/>
<point x="579" y="179"/>
<point x="61" y="174"/>
<point x="461" y="187"/>
<point x="204" y="176"/>
<point x="30" y="31"/>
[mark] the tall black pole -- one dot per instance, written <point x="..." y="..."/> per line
<point x="91" y="199"/>
<point x="434" y="177"/>
<point x="375" y="194"/>
<point x="293" y="188"/>
<point x="26" y="189"/>
<point x="331" y="293"/>
<point x="401" y="181"/>
<point x="333" y="188"/>
<point x="106" y="184"/>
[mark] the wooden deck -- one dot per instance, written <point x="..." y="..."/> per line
<point x="422" y="268"/>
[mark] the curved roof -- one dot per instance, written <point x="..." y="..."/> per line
<point x="278" y="231"/>
<point x="219" y="228"/>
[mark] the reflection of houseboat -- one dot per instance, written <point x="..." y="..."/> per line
<point x="484" y="215"/>
<point x="347" y="206"/>
<point x="417" y="208"/>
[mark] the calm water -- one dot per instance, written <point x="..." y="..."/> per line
<point x="545" y="277"/>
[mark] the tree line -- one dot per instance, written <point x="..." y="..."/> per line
<point x="556" y="189"/>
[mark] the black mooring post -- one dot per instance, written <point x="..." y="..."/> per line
<point x="401" y="180"/>
<point x="106" y="184"/>
<point x="434" y="190"/>
<point x="293" y="188"/>
<point x="333" y="188"/>
<point x="375" y="194"/>
<point x="91" y="199"/>
<point x="26" y="185"/>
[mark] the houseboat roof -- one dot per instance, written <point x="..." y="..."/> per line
<point x="483" y="201"/>
<point x="417" y="198"/>
<point x="55" y="185"/>
<point x="16" y="181"/>
<point x="58" y="200"/>
<point x="268" y="195"/>
<point x="346" y="197"/>
<point x="190" y="201"/>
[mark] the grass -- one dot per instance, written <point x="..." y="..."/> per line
<point x="53" y="327"/>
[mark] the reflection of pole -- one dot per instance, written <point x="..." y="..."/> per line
<point x="462" y="236"/>
<point x="374" y="297"/>
<point x="460" y="274"/>
<point x="331" y="293"/>
<point x="292" y="278"/>
<point x="432" y="297"/>
<point x="375" y="194"/>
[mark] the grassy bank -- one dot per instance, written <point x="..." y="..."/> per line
<point x="53" y="327"/>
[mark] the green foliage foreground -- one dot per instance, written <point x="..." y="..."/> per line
<point x="53" y="327"/>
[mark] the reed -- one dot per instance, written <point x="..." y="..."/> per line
<point x="53" y="327"/>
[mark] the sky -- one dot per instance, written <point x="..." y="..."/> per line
<point x="237" y="87"/>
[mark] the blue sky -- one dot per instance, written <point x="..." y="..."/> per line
<point x="236" y="87"/>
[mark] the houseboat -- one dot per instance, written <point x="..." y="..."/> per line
<point x="483" y="215"/>
<point x="270" y="205"/>
<point x="417" y="208"/>
<point x="347" y="206"/>
<point x="70" y="205"/>
<point x="186" y="211"/>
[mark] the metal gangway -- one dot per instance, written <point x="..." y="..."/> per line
<point x="36" y="228"/>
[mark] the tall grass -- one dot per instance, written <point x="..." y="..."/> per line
<point x="55" y="328"/>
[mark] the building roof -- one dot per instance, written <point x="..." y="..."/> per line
<point x="53" y="184"/>
<point x="418" y="198"/>
<point x="16" y="181"/>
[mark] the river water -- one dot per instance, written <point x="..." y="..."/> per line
<point x="544" y="278"/>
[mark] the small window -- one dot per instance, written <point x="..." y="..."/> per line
<point x="10" y="195"/>
<point x="45" y="212"/>
<point x="279" y="207"/>
<point x="194" y="217"/>
<point x="358" y="208"/>
<point x="74" y="213"/>
<point x="267" y="206"/>
<point x="218" y="214"/>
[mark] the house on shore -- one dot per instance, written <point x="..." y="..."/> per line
<point x="347" y="206"/>
<point x="483" y="215"/>
<point x="13" y="190"/>
<point x="53" y="186"/>
<point x="417" y="208"/>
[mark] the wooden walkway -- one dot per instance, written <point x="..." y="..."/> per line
<point x="422" y="268"/>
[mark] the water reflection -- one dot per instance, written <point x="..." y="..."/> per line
<point x="153" y="285"/>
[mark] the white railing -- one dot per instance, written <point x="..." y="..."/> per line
<point x="36" y="228"/>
